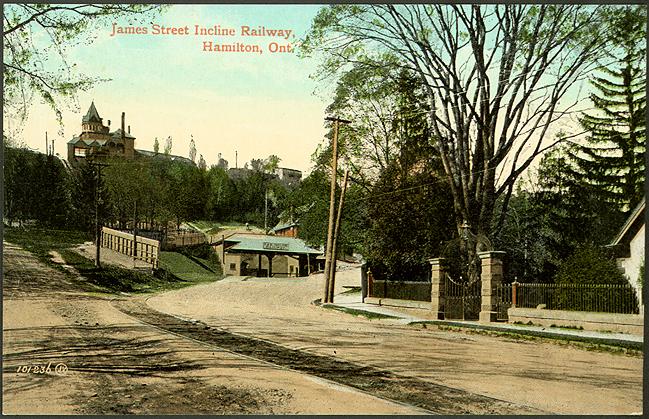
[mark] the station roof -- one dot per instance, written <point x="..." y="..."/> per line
<point x="249" y="243"/>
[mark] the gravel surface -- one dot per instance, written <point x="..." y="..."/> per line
<point x="533" y="375"/>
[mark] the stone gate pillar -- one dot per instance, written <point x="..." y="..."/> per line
<point x="491" y="278"/>
<point x="437" y="275"/>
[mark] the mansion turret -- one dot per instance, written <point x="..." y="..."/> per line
<point x="96" y="140"/>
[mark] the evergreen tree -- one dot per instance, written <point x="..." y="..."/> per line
<point x="156" y="146"/>
<point x="562" y="213"/>
<point x="612" y="160"/>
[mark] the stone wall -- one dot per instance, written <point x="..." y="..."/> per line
<point x="610" y="322"/>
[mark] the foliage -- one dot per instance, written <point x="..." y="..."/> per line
<point x="369" y="97"/>
<point x="155" y="190"/>
<point x="574" y="209"/>
<point x="528" y="239"/>
<point x="202" y="164"/>
<point x="494" y="76"/>
<point x="409" y="224"/>
<point x="83" y="186"/>
<point x="36" y="40"/>
<point x="35" y="187"/>
<point x="641" y="273"/>
<point x="257" y="195"/>
<point x="168" y="145"/>
<point x="590" y="265"/>
<point x="612" y="159"/>
<point x="395" y="211"/>
<point x="309" y="204"/>
<point x="221" y="194"/>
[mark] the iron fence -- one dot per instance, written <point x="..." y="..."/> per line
<point x="578" y="297"/>
<point x="401" y="290"/>
<point x="461" y="299"/>
<point x="503" y="301"/>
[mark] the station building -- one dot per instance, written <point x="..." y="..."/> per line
<point x="266" y="256"/>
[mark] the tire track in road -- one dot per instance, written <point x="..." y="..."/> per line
<point x="431" y="397"/>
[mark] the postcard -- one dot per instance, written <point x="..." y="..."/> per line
<point x="305" y="209"/>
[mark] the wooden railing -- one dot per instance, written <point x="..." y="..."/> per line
<point x="184" y="238"/>
<point x="144" y="249"/>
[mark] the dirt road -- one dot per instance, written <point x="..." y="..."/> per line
<point x="533" y="376"/>
<point x="117" y="364"/>
<point x="259" y="346"/>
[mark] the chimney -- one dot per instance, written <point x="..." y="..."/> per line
<point x="129" y="129"/>
<point x="109" y="122"/>
<point x="123" y="119"/>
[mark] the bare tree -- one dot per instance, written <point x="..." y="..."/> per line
<point x="497" y="78"/>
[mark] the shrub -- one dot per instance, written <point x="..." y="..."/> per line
<point x="590" y="265"/>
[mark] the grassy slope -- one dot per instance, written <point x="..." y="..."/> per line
<point x="41" y="241"/>
<point x="184" y="268"/>
<point x="111" y="279"/>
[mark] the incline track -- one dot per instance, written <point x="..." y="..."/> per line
<point x="431" y="397"/>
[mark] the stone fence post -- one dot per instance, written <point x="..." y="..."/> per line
<point x="437" y="276"/>
<point x="491" y="278"/>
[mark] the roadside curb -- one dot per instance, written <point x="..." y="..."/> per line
<point x="539" y="333"/>
<point x="548" y="334"/>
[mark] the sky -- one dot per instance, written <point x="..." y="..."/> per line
<point x="247" y="103"/>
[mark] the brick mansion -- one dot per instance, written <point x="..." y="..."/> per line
<point x="97" y="141"/>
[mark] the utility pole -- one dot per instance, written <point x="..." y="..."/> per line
<point x="134" y="232"/>
<point x="47" y="145"/>
<point x="266" y="212"/>
<point x="332" y="272"/>
<point x="97" y="167"/>
<point x="332" y="197"/>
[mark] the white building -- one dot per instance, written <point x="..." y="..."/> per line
<point x="629" y="244"/>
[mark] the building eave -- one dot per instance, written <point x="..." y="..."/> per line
<point x="634" y="220"/>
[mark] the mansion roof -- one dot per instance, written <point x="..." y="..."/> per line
<point x="116" y="135"/>
<point x="92" y="115"/>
